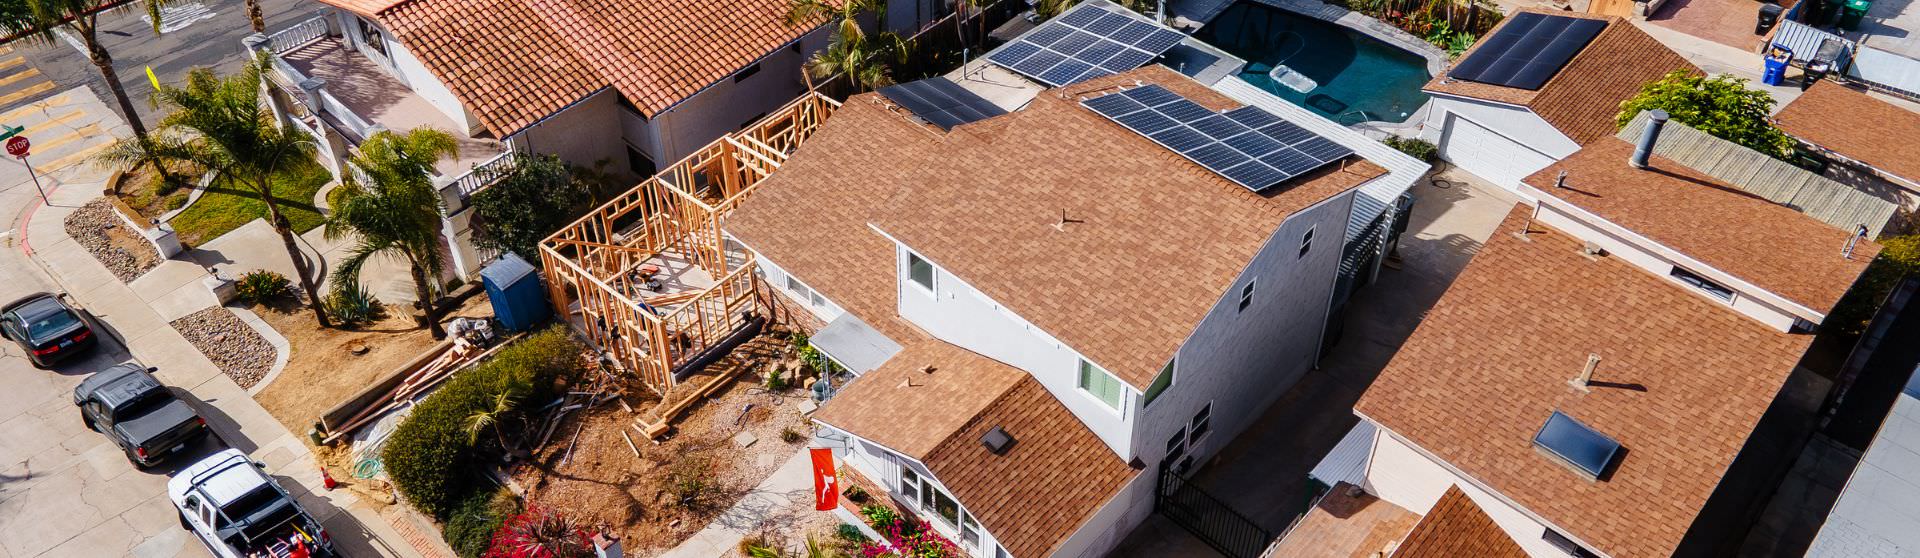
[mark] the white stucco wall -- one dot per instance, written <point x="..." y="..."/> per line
<point x="1242" y="361"/>
<point x="815" y="303"/>
<point x="723" y="107"/>
<point x="405" y="67"/>
<point x="1404" y="475"/>
<point x="1514" y="122"/>
<point x="582" y="134"/>
<point x="1100" y="534"/>
<point x="958" y="313"/>
<point x="882" y="466"/>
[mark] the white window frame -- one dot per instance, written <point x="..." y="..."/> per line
<point x="1246" y="294"/>
<point x="933" y="273"/>
<point x="1200" y="425"/>
<point x="1306" y="242"/>
<point x="1081" y="381"/>
<point x="1675" y="276"/>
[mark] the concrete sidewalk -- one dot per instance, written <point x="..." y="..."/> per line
<point x="239" y="421"/>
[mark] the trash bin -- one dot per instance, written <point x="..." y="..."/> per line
<point x="1829" y="12"/>
<point x="1854" y="11"/>
<point x="1769" y="16"/>
<point x="1775" y="69"/>
<point x="513" y="287"/>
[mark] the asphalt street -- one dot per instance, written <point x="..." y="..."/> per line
<point x="196" y="34"/>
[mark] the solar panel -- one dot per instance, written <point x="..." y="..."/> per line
<point x="1577" y="444"/>
<point x="1529" y="50"/>
<point x="941" y="102"/>
<point x="1247" y="145"/>
<point x="1088" y="41"/>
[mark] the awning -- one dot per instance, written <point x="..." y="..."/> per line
<point x="1348" y="460"/>
<point x="854" y="344"/>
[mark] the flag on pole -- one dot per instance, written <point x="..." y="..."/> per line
<point x="153" y="78"/>
<point x="826" y="486"/>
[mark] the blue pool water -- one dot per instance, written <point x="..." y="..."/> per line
<point x="1346" y="76"/>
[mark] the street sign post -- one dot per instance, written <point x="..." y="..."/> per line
<point x="17" y="146"/>
<point x="10" y="131"/>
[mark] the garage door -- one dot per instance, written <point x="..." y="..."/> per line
<point x="1487" y="154"/>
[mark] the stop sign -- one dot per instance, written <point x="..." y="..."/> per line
<point x="18" y="146"/>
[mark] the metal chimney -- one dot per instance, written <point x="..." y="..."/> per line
<point x="1656" y="119"/>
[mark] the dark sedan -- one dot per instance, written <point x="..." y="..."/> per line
<point x="139" y="414"/>
<point x="46" y="328"/>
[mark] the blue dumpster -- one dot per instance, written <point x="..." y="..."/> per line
<point x="1776" y="61"/>
<point x="513" y="286"/>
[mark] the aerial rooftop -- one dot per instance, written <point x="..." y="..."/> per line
<point x="1680" y="383"/>
<point x="1855" y="125"/>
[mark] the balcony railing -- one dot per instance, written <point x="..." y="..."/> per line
<point x="300" y="34"/>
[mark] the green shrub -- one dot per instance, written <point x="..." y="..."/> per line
<point x="431" y="458"/>
<point x="879" y="516"/>
<point x="260" y="286"/>
<point x="789" y="435"/>
<point x="351" y="305"/>
<point x="1418" y="148"/>
<point x="850" y="533"/>
<point x="691" y="483"/>
<point x="470" y="529"/>
<point x="775" y="380"/>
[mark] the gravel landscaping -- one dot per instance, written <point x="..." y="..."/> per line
<point x="237" y="349"/>
<point x="121" y="249"/>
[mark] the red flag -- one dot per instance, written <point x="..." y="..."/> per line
<point x="826" y="486"/>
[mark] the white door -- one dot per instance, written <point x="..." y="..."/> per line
<point x="1487" y="154"/>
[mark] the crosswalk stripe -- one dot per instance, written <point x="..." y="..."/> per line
<point x="30" y="91"/>
<point x="11" y="62"/>
<point x="37" y="106"/>
<point x="89" y="130"/>
<point x="31" y="72"/>
<point x="62" y="119"/>
<point x="72" y="158"/>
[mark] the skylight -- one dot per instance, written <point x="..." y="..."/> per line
<point x="1576" y="444"/>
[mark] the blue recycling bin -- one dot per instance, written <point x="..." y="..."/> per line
<point x="513" y="287"/>
<point x="1775" y="68"/>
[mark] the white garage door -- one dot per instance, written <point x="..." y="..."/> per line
<point x="1487" y="154"/>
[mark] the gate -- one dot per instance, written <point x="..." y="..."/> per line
<point x="1208" y="518"/>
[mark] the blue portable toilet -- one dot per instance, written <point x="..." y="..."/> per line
<point x="513" y="286"/>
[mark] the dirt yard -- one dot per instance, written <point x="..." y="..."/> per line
<point x="324" y="368"/>
<point x="675" y="487"/>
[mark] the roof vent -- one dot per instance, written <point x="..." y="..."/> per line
<point x="1656" y="119"/>
<point x="1853" y="241"/>
<point x="1592" y="250"/>
<point x="1586" y="372"/>
<point x="997" y="441"/>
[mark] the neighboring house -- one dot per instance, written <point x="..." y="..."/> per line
<point x="632" y="85"/>
<point x="1045" y="309"/>
<point x="1618" y="372"/>
<point x="1852" y="128"/>
<point x="1537" y="87"/>
<point x="1875" y="515"/>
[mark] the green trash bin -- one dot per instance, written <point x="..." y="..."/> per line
<point x="1853" y="12"/>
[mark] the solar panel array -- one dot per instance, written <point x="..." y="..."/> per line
<point x="942" y="103"/>
<point x="1087" y="42"/>
<point x="1247" y="145"/>
<point x="1529" y="50"/>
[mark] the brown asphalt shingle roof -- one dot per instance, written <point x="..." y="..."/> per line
<point x="1681" y="383"/>
<point x="513" y="62"/>
<point x="1584" y="98"/>
<point x="1767" y="244"/>
<point x="1856" y="126"/>
<point x="1457" y="528"/>
<point x="903" y="407"/>
<point x="981" y="201"/>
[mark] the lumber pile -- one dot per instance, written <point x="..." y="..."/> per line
<point x="657" y="422"/>
<point x="438" y="364"/>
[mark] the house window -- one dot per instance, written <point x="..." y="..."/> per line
<point x="1001" y="552"/>
<point x="1246" y="295"/>
<point x="746" y="73"/>
<point x="943" y="506"/>
<point x="1705" y="285"/>
<point x="799" y="289"/>
<point x="1160" y="384"/>
<point x="1566" y="545"/>
<point x="639" y="163"/>
<point x="909" y="485"/>
<point x="370" y="36"/>
<point x="1200" y="423"/>
<point x="969" y="531"/>
<point x="1100" y="384"/>
<point x="1306" y="242"/>
<point x="920" y="271"/>
<point x="1177" y="445"/>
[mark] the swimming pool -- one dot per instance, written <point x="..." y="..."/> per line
<point x="1325" y="67"/>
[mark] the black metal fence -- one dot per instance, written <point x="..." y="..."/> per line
<point x="1208" y="518"/>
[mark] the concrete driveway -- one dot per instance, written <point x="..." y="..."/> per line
<point x="1263" y="473"/>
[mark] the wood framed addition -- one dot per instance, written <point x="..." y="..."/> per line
<point x="649" y="278"/>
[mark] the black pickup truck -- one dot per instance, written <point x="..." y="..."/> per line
<point x="139" y="414"/>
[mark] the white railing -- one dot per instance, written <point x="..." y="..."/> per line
<point x="331" y="105"/>
<point x="300" y="34"/>
<point x="482" y="174"/>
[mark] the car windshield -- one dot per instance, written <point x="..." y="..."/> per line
<point x="46" y="326"/>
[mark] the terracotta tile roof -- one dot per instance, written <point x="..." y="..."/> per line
<point x="1056" y="475"/>
<point x="1856" y="126"/>
<point x="513" y="62"/>
<point x="911" y="411"/>
<point x="368" y="8"/>
<point x="1456" y="527"/>
<point x="1770" y="245"/>
<point x="1681" y="384"/>
<point x="1584" y="98"/>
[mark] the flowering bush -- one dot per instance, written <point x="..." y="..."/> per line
<point x="906" y="539"/>
<point x="540" y="533"/>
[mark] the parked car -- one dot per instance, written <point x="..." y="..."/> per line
<point x="139" y="414"/>
<point x="240" y="512"/>
<point x="46" y="328"/>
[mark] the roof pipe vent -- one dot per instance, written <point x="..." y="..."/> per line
<point x="1586" y="373"/>
<point x="1656" y="119"/>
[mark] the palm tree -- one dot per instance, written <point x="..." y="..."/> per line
<point x="860" y="55"/>
<point x="38" y="20"/>
<point x="482" y="420"/>
<point x="219" y="123"/>
<point x="254" y="18"/>
<point x="398" y="213"/>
